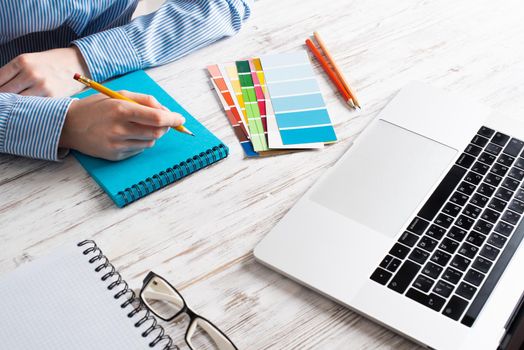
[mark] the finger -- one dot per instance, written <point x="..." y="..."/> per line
<point x="32" y="91"/>
<point x="16" y="85"/>
<point x="134" y="131"/>
<point x="145" y="100"/>
<point x="8" y="72"/>
<point x="129" y="146"/>
<point x="153" y="116"/>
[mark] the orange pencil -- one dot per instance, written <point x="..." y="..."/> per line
<point x="113" y="94"/>
<point x="336" y="69"/>
<point x="332" y="75"/>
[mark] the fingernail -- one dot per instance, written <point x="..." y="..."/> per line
<point x="182" y="120"/>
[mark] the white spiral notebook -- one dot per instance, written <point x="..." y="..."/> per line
<point x="61" y="302"/>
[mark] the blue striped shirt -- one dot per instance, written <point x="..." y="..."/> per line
<point x="110" y="43"/>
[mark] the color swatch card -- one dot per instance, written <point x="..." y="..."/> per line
<point x="275" y="101"/>
<point x="299" y="107"/>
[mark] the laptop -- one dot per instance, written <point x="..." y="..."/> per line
<point x="418" y="225"/>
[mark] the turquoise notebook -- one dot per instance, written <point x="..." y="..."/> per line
<point x="173" y="157"/>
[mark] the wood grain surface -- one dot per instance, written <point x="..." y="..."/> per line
<point x="200" y="233"/>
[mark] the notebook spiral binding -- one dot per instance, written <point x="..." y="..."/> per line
<point x="103" y="264"/>
<point x="175" y="173"/>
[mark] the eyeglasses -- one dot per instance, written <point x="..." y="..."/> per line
<point x="162" y="299"/>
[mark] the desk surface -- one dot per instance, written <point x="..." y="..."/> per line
<point x="200" y="233"/>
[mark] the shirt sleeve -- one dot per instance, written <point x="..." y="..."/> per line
<point x="176" y="29"/>
<point x="31" y="126"/>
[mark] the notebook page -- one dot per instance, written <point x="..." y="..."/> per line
<point x="59" y="302"/>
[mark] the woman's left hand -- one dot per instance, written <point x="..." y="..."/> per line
<point x="46" y="73"/>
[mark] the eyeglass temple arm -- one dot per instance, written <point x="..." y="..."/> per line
<point x="162" y="296"/>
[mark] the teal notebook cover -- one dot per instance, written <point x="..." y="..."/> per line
<point x="173" y="157"/>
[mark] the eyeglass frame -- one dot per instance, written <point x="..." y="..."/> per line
<point x="184" y="310"/>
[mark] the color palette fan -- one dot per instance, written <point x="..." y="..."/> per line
<point x="273" y="103"/>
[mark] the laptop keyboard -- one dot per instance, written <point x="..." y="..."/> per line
<point x="455" y="250"/>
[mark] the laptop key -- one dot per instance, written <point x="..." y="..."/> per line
<point x="473" y="178"/>
<point x="493" y="148"/>
<point x="456" y="233"/>
<point x="468" y="250"/>
<point x="486" y="189"/>
<point x="480" y="168"/>
<point x="423" y="283"/>
<point x="520" y="162"/>
<point x="459" y="198"/>
<point x="520" y="195"/>
<point x="466" y="290"/>
<point x="443" y="288"/>
<point x="455" y="307"/>
<point x="505" y="159"/>
<point x="473" y="150"/>
<point x="485" y="131"/>
<point x="504" y="228"/>
<point x="474" y="277"/>
<point x="479" y="200"/>
<point x="479" y="141"/>
<point x="511" y="217"/>
<point x="483" y="226"/>
<point x="510" y="183"/>
<point x="408" y="239"/>
<point x="461" y="263"/>
<point x="448" y="245"/>
<point x="418" y="225"/>
<point x="466" y="188"/>
<point x="451" y="209"/>
<point x="489" y="252"/>
<point x="497" y="240"/>
<point x="419" y="255"/>
<point x="451" y="275"/>
<point x="404" y="276"/>
<point x="399" y="250"/>
<point x="442" y="192"/>
<point x="504" y="194"/>
<point x="381" y="276"/>
<point x="514" y="147"/>
<point x="499" y="169"/>
<point x="427" y="243"/>
<point x="497" y="204"/>
<point x="517" y="206"/>
<point x="482" y="264"/>
<point x="444" y="220"/>
<point x="441" y="258"/>
<point x="433" y="301"/>
<point x="516" y="173"/>
<point x="487" y="158"/>
<point x="465" y="160"/>
<point x="393" y="265"/>
<point x="471" y="211"/>
<point x="432" y="270"/>
<point x="476" y="238"/>
<point x="385" y="262"/>
<point x="493" y="277"/>
<point x="464" y="222"/>
<point x="436" y="232"/>
<point x="500" y="139"/>
<point x="493" y="179"/>
<point x="490" y="215"/>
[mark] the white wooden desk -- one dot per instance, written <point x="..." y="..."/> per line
<point x="200" y="233"/>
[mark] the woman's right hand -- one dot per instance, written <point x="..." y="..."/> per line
<point x="113" y="129"/>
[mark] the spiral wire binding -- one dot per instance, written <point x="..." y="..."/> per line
<point x="103" y="264"/>
<point x="175" y="173"/>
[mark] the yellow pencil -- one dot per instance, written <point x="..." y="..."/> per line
<point x="113" y="94"/>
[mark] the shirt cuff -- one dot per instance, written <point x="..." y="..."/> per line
<point x="108" y="54"/>
<point x="31" y="126"/>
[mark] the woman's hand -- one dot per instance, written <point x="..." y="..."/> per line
<point x="114" y="129"/>
<point x="47" y="73"/>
